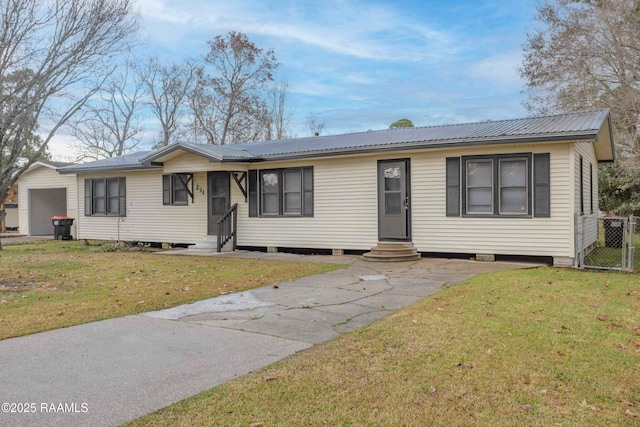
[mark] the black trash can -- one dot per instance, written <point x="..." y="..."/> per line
<point x="62" y="227"/>
<point x="613" y="231"/>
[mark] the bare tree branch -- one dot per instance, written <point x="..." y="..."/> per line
<point x="228" y="105"/>
<point x="584" y="55"/>
<point x="110" y="123"/>
<point x="169" y="87"/>
<point x="316" y="125"/>
<point x="52" y="56"/>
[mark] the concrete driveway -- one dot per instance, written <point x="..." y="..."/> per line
<point x="113" y="371"/>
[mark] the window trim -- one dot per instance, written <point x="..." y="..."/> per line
<point x="90" y="198"/>
<point x="306" y="172"/>
<point x="169" y="189"/>
<point x="527" y="186"/>
<point x="278" y="173"/>
<point x="495" y="179"/>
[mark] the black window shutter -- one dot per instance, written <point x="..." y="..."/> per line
<point x="542" y="188"/>
<point x="253" y="193"/>
<point x="581" y="186"/>
<point x="122" y="195"/>
<point x="166" y="189"/>
<point x="87" y="197"/>
<point x="591" y="186"/>
<point x="453" y="186"/>
<point x="307" y="187"/>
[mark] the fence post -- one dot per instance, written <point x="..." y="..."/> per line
<point x="631" y="246"/>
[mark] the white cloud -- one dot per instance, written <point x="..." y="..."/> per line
<point x="158" y="10"/>
<point x="500" y="71"/>
<point x="351" y="28"/>
<point x="61" y="147"/>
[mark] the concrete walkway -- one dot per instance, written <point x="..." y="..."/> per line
<point x="113" y="371"/>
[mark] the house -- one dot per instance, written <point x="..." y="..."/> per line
<point x="509" y="187"/>
<point x="43" y="193"/>
<point x="9" y="206"/>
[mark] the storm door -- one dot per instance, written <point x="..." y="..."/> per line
<point x="218" y="198"/>
<point x="393" y="200"/>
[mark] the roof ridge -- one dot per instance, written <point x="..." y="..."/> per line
<point x="516" y="119"/>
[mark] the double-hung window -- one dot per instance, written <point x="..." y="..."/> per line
<point x="509" y="185"/>
<point x="282" y="192"/>
<point x="177" y="188"/>
<point x="479" y="188"/>
<point x="513" y="182"/>
<point x="105" y="197"/>
<point x="497" y="185"/>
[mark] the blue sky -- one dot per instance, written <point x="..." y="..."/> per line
<point x="362" y="64"/>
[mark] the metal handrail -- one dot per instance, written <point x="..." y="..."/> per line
<point x="227" y="228"/>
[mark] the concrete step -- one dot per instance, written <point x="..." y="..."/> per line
<point x="209" y="245"/>
<point x="394" y="245"/>
<point x="392" y="252"/>
<point x="370" y="256"/>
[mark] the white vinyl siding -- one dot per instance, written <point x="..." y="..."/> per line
<point x="345" y="192"/>
<point x="147" y="219"/>
<point x="345" y="207"/>
<point x="42" y="178"/>
<point x="586" y="151"/>
<point x="433" y="231"/>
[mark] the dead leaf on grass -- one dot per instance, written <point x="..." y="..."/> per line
<point x="630" y="413"/>
<point x="556" y="402"/>
<point x="626" y="402"/>
<point x="256" y="425"/>
<point x="584" y="404"/>
<point x="527" y="408"/>
<point x="464" y="365"/>
<point x="269" y="378"/>
<point x="538" y="319"/>
<point x="601" y="317"/>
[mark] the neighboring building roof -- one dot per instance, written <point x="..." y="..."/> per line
<point x="125" y="162"/>
<point x="581" y="126"/>
<point x="54" y="164"/>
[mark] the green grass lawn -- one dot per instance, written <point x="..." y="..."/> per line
<point x="535" y="347"/>
<point x="56" y="284"/>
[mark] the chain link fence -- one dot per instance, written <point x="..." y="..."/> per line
<point x="605" y="242"/>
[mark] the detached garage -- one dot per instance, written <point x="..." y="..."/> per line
<point x="43" y="193"/>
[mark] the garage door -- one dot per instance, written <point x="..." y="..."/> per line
<point x="43" y="204"/>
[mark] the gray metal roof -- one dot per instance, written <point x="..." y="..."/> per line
<point x="55" y="164"/>
<point x="125" y="162"/>
<point x="560" y="127"/>
<point x="584" y="125"/>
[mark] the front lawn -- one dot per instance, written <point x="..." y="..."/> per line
<point x="531" y="347"/>
<point x="56" y="284"/>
